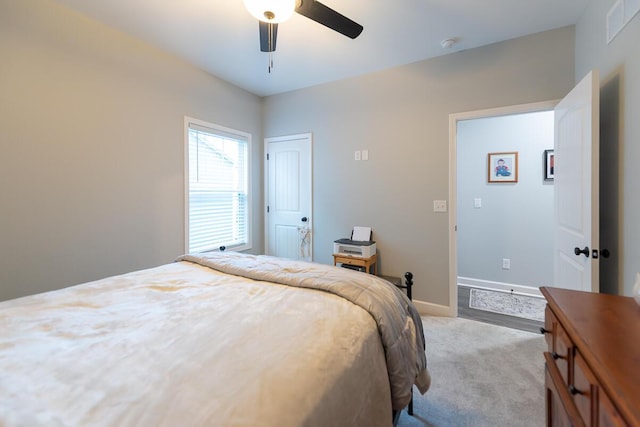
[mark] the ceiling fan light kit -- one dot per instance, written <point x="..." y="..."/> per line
<point x="271" y="11"/>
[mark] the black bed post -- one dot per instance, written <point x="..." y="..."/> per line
<point x="408" y="280"/>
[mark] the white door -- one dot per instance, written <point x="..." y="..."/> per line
<point x="576" y="187"/>
<point x="289" y="197"/>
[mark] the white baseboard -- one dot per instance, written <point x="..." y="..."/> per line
<point x="499" y="286"/>
<point x="429" y="309"/>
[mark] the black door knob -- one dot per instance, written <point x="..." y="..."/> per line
<point x="304" y="219"/>
<point x="584" y="251"/>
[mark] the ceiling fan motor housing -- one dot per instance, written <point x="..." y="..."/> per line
<point x="272" y="12"/>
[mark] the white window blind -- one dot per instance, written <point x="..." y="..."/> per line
<point x="217" y="188"/>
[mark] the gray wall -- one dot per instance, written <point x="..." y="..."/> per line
<point x="91" y="148"/>
<point x="401" y="117"/>
<point x="619" y="66"/>
<point x="91" y="181"/>
<point x="515" y="220"/>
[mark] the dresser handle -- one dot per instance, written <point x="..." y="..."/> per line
<point x="544" y="331"/>
<point x="573" y="390"/>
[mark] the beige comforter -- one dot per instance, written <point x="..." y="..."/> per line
<point x="186" y="345"/>
<point x="397" y="319"/>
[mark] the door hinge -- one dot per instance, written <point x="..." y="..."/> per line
<point x="267" y="156"/>
<point x="267" y="208"/>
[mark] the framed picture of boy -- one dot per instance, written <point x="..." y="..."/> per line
<point x="502" y="167"/>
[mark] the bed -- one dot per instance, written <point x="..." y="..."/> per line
<point x="223" y="339"/>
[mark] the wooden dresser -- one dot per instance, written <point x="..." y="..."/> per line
<point x="592" y="374"/>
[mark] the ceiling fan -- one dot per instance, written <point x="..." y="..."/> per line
<point x="272" y="12"/>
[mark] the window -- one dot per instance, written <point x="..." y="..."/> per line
<point x="217" y="187"/>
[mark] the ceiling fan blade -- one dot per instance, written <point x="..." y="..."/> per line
<point x="329" y="18"/>
<point x="268" y="34"/>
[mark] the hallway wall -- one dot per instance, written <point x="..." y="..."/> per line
<point x="515" y="220"/>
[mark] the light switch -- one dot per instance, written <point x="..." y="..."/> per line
<point x="477" y="203"/>
<point x="365" y="154"/>
<point x="439" y="205"/>
<point x="357" y="155"/>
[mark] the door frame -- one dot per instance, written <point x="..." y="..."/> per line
<point x="275" y="139"/>
<point x="454" y="118"/>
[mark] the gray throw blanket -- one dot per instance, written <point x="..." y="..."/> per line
<point x="397" y="318"/>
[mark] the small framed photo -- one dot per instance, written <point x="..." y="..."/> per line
<point x="502" y="167"/>
<point x="549" y="163"/>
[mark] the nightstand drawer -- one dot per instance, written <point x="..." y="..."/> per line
<point x="353" y="261"/>
<point x="368" y="263"/>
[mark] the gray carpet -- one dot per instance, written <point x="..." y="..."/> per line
<point x="482" y="375"/>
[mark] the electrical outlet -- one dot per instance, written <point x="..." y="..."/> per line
<point x="506" y="263"/>
<point x="357" y="155"/>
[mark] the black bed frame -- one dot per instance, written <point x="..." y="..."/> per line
<point x="408" y="284"/>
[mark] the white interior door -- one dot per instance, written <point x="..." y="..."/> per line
<point x="289" y="197"/>
<point x="576" y="187"/>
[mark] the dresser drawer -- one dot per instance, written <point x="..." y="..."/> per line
<point x="560" y="408"/>
<point x="556" y="414"/>
<point x="563" y="353"/>
<point x="584" y="390"/>
<point x="608" y="415"/>
<point x="550" y="322"/>
<point x="559" y="344"/>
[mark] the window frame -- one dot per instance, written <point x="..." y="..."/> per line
<point x="223" y="132"/>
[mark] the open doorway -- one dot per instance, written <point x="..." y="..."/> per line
<point x="504" y="213"/>
<point x="576" y="228"/>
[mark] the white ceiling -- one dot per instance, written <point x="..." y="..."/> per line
<point x="221" y="37"/>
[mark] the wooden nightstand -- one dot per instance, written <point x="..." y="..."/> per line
<point x="367" y="263"/>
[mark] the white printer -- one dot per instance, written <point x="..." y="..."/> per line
<point x="359" y="245"/>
